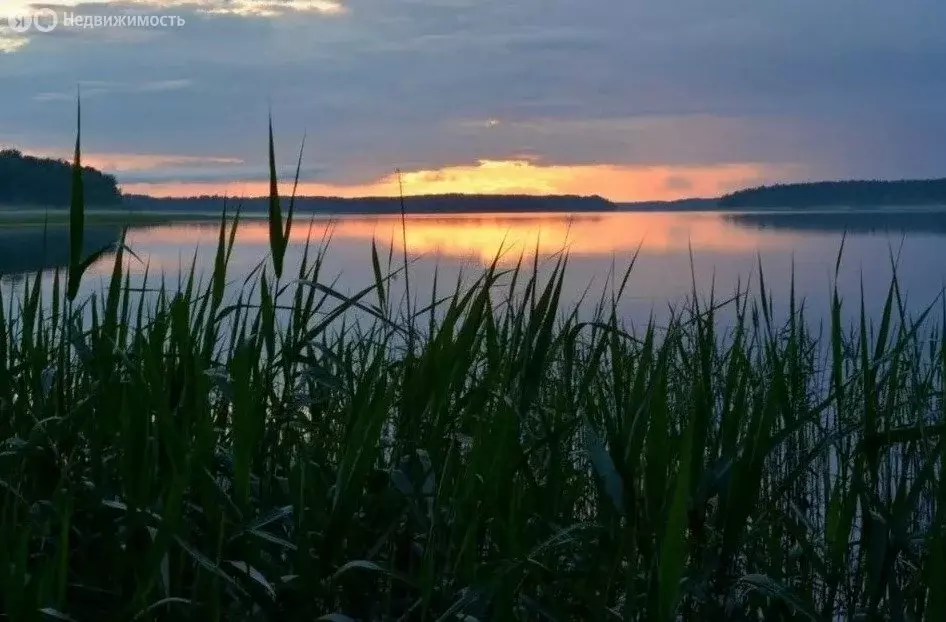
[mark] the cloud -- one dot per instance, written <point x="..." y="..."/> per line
<point x="203" y="171"/>
<point x="149" y="168"/>
<point x="163" y="85"/>
<point x="254" y="8"/>
<point x="96" y="88"/>
<point x="11" y="43"/>
<point x="123" y="162"/>
<point x="71" y="17"/>
<point x="808" y="89"/>
<point x="269" y="8"/>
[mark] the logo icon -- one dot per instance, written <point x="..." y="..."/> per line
<point x="45" y="20"/>
<point x="20" y="23"/>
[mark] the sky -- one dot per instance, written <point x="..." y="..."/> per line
<point x="627" y="99"/>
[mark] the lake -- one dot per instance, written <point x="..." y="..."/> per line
<point x="726" y="249"/>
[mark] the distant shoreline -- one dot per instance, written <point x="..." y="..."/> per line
<point x="29" y="216"/>
<point x="28" y="183"/>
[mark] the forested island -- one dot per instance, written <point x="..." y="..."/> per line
<point x="840" y="194"/>
<point x="30" y="181"/>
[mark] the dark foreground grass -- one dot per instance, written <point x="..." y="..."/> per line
<point x="487" y="457"/>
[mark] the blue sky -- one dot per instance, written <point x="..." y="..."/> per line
<point x="631" y="99"/>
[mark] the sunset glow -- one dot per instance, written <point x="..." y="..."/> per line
<point x="614" y="182"/>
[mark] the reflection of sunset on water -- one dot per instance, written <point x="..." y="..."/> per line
<point x="484" y="236"/>
<point x="726" y="256"/>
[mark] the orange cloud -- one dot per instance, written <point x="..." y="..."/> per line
<point x="123" y="162"/>
<point x="521" y="176"/>
<point x="127" y="162"/>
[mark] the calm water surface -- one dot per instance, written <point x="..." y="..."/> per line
<point x="727" y="250"/>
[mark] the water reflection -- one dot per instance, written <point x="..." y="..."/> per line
<point x="30" y="249"/>
<point x="485" y="236"/>
<point x="716" y="251"/>
<point x="861" y="221"/>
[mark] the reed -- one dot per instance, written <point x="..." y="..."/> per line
<point x="168" y="454"/>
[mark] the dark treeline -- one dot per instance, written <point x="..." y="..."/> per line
<point x="28" y="180"/>
<point x="678" y="205"/>
<point x="840" y="193"/>
<point x="446" y="203"/>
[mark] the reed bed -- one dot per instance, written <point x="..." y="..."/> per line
<point x="167" y="454"/>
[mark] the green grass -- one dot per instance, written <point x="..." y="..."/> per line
<point x="486" y="456"/>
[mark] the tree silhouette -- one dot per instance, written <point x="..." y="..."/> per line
<point x="841" y="194"/>
<point x="28" y="180"/>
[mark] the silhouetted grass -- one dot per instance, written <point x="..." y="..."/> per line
<point x="172" y="456"/>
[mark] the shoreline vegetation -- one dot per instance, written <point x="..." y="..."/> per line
<point x="28" y="182"/>
<point x="483" y="455"/>
<point x="850" y="194"/>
